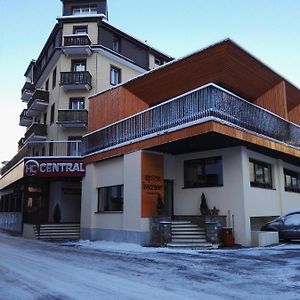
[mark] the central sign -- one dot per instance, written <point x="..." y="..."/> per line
<point x="51" y="167"/>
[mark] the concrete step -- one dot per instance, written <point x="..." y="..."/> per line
<point x="191" y="240"/>
<point x="190" y="245"/>
<point x="188" y="236"/>
<point x="184" y="226"/>
<point x="187" y="231"/>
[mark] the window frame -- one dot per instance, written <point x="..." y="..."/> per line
<point x="83" y="27"/>
<point x="263" y="165"/>
<point x="203" y="163"/>
<point x="78" y="100"/>
<point x="52" y="113"/>
<point x="116" y="44"/>
<point x="293" y="174"/>
<point x="54" y="78"/>
<point x="115" y="70"/>
<point x="92" y="10"/>
<point x="106" y="205"/>
<point x="78" y="62"/>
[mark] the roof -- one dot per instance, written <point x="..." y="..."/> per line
<point x="224" y="63"/>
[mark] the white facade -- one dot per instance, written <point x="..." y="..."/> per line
<point x="245" y="207"/>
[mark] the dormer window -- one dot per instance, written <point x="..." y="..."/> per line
<point x="79" y="11"/>
<point x="158" y="61"/>
<point x="116" y="46"/>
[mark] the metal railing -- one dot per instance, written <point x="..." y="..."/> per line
<point x="40" y="95"/>
<point x="72" y="116"/>
<point x="46" y="149"/>
<point x="37" y="129"/>
<point x="205" y="103"/>
<point x="77" y="40"/>
<point x="68" y="78"/>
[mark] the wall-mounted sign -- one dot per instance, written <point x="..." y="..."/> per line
<point x="53" y="167"/>
<point x="152" y="184"/>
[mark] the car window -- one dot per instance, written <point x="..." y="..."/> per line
<point x="292" y="220"/>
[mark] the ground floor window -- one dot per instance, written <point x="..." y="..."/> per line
<point x="291" y="181"/>
<point x="110" y="198"/>
<point x="260" y="174"/>
<point x="205" y="172"/>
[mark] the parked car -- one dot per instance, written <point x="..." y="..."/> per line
<point x="288" y="226"/>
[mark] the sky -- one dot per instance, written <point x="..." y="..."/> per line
<point x="268" y="29"/>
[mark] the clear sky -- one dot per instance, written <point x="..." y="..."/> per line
<point x="269" y="29"/>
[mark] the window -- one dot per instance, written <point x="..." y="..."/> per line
<point x="45" y="118"/>
<point x="80" y="30"/>
<point x="291" y="181"/>
<point x="76" y="103"/>
<point x="74" y="146"/>
<point x="47" y="85"/>
<point x="260" y="174"/>
<point x="54" y="78"/>
<point x="158" y="61"/>
<point x="115" y="76"/>
<point x="116" y="46"/>
<point x="110" y="198"/>
<point x="78" y="65"/>
<point x="206" y="172"/>
<point x="52" y="113"/>
<point x="292" y="220"/>
<point x="91" y="10"/>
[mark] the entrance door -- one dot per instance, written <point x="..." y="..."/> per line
<point x="168" y="190"/>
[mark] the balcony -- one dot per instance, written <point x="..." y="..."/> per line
<point x="71" y="118"/>
<point x="27" y="91"/>
<point x="74" y="81"/>
<point x="77" y="45"/>
<point x="36" y="132"/>
<point x="207" y="103"/>
<point x="38" y="103"/>
<point x="24" y="119"/>
<point x="47" y="149"/>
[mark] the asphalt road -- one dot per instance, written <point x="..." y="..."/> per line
<point x="39" y="270"/>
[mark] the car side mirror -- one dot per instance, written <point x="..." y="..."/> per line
<point x="282" y="220"/>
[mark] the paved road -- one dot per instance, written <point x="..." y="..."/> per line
<point x="39" y="270"/>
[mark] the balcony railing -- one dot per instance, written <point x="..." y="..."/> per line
<point x="24" y="119"/>
<point x="27" y="91"/>
<point x="46" y="149"/>
<point x="76" y="80"/>
<point x="77" y="40"/>
<point x="72" y="118"/>
<point x="38" y="103"/>
<point x="36" y="132"/>
<point x="206" y="103"/>
<point x="77" y="45"/>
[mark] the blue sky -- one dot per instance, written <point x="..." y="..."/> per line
<point x="268" y="29"/>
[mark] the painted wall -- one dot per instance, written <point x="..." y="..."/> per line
<point x="227" y="198"/>
<point x="127" y="226"/>
<point x="92" y="30"/>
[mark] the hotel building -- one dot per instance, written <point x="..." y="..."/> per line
<point x="83" y="55"/>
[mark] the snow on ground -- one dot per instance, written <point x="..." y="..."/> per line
<point x="106" y="270"/>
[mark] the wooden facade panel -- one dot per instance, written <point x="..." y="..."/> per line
<point x="113" y="106"/>
<point x="294" y="115"/>
<point x="275" y="100"/>
<point x="194" y="131"/>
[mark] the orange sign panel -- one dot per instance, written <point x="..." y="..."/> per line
<point x="152" y="184"/>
